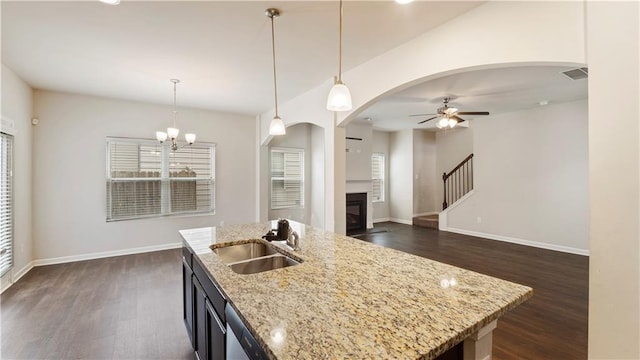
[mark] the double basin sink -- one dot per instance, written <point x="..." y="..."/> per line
<point x="253" y="257"/>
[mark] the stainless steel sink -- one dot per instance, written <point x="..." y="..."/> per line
<point x="263" y="264"/>
<point x="234" y="253"/>
<point x="253" y="257"/>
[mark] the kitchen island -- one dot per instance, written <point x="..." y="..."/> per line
<point x="347" y="299"/>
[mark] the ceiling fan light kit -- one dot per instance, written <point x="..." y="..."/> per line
<point x="449" y="115"/>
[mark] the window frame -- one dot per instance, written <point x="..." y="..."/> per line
<point x="10" y="134"/>
<point x="285" y="178"/>
<point x="165" y="179"/>
<point x="381" y="178"/>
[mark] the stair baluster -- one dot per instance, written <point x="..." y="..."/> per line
<point x="458" y="182"/>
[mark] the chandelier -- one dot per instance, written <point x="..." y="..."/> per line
<point x="172" y="132"/>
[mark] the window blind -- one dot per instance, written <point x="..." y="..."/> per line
<point x="145" y="178"/>
<point x="6" y="203"/>
<point x="377" y="177"/>
<point x="287" y="178"/>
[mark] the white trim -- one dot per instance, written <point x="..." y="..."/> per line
<point x="427" y="213"/>
<point x="381" y="220"/>
<point x="15" y="276"/>
<point x="104" y="254"/>
<point x="401" y="221"/>
<point x="443" y="218"/>
<point x="565" y="249"/>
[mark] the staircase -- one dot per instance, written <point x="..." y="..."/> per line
<point x="426" y="221"/>
<point x="457" y="183"/>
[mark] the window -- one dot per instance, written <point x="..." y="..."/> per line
<point x="6" y="203"/>
<point x="146" y="179"/>
<point x="377" y="177"/>
<point x="287" y="178"/>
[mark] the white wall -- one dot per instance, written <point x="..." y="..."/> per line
<point x="401" y="179"/>
<point x="453" y="146"/>
<point x="69" y="172"/>
<point x="531" y="177"/>
<point x="613" y="39"/>
<point x="381" y="145"/>
<point x="317" y="177"/>
<point x="424" y="172"/>
<point x="298" y="137"/>
<point x="17" y="105"/>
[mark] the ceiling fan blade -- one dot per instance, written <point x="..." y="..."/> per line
<point x="472" y="113"/>
<point x="421" y="115"/>
<point x="458" y="118"/>
<point x="424" y="121"/>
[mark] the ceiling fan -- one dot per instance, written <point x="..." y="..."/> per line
<point x="449" y="115"/>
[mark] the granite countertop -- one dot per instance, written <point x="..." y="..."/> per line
<point x="353" y="299"/>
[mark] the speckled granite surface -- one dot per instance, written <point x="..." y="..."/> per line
<point x="350" y="299"/>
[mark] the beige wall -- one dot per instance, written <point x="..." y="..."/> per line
<point x="17" y="104"/>
<point x="424" y="172"/>
<point x="531" y="178"/>
<point x="401" y="176"/>
<point x="614" y="155"/>
<point x="69" y="173"/>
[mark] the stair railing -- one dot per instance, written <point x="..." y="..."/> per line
<point x="458" y="181"/>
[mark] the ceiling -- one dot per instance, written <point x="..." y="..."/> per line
<point x="495" y="90"/>
<point x="221" y="51"/>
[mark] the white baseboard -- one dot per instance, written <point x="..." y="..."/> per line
<point x="381" y="220"/>
<point x="15" y="276"/>
<point x="427" y="213"/>
<point x="565" y="249"/>
<point x="401" y="221"/>
<point x="104" y="254"/>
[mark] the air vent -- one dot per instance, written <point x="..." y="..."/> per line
<point x="577" y="74"/>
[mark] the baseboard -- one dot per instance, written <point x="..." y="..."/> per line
<point x="565" y="249"/>
<point x="427" y="213"/>
<point x="381" y="220"/>
<point x="401" y="221"/>
<point x="17" y="275"/>
<point x="105" y="254"/>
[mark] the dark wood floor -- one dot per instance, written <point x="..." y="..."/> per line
<point x="129" y="307"/>
<point x="551" y="325"/>
<point x="126" y="307"/>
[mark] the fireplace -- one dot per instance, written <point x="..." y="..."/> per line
<point x="356" y="213"/>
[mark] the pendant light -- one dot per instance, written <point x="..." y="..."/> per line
<point x="276" y="127"/>
<point x="172" y="132"/>
<point x="339" y="97"/>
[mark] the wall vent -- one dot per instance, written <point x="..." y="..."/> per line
<point x="577" y="74"/>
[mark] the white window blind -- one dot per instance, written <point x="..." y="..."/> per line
<point x="145" y="179"/>
<point x="377" y="177"/>
<point x="6" y="203"/>
<point x="287" y="178"/>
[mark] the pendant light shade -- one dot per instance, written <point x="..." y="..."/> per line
<point x="339" y="98"/>
<point x="276" y="127"/>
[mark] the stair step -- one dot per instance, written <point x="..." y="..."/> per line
<point x="427" y="221"/>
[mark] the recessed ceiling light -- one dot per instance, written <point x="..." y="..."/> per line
<point x="543" y="102"/>
<point x="111" y="2"/>
<point x="404" y="1"/>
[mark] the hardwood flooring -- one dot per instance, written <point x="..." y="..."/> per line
<point x="126" y="307"/>
<point x="129" y="307"/>
<point x="551" y="325"/>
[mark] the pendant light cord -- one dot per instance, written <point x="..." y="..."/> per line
<point x="273" y="48"/>
<point x="340" y="47"/>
